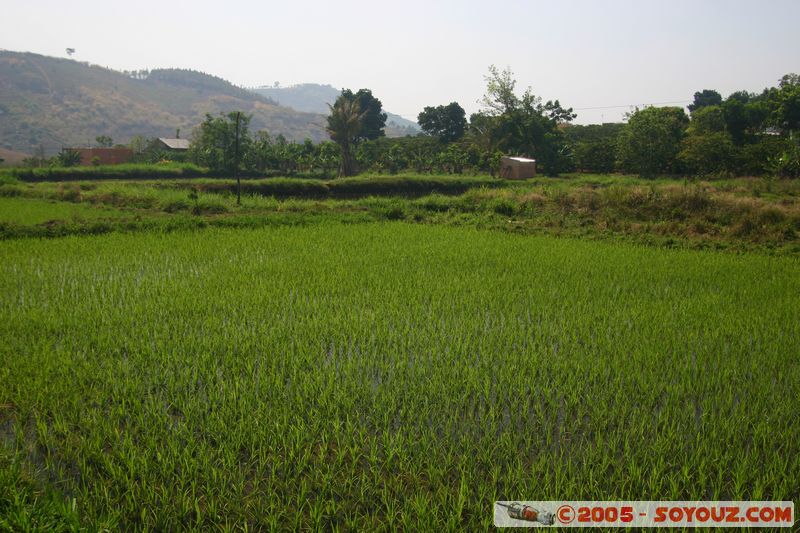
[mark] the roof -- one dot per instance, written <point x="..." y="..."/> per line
<point x="175" y="144"/>
<point x="521" y="159"/>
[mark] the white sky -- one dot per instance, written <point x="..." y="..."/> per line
<point x="417" y="53"/>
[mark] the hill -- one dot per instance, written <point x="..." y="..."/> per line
<point x="56" y="102"/>
<point x="314" y="98"/>
<point x="10" y="157"/>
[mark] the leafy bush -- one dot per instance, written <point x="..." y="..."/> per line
<point x="787" y="164"/>
<point x="754" y="159"/>
<point x="707" y="154"/>
<point x="650" y="143"/>
<point x="596" y="156"/>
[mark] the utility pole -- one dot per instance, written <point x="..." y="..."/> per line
<point x="236" y="163"/>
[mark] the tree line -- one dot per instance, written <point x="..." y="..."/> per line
<point x="507" y="124"/>
<point x="743" y="134"/>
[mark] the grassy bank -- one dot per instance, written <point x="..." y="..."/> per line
<point x="360" y="186"/>
<point x="378" y="185"/>
<point x="757" y="214"/>
<point x="128" y="171"/>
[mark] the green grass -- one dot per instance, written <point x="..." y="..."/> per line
<point x="104" y="172"/>
<point x="31" y="211"/>
<point x="355" y="187"/>
<point x="386" y="376"/>
<point x="738" y="214"/>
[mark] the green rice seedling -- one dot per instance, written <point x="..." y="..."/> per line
<point x="30" y="211"/>
<point x="384" y="376"/>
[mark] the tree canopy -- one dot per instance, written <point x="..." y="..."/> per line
<point x="345" y="126"/>
<point x="651" y="141"/>
<point x="787" y="109"/>
<point x="704" y="98"/>
<point x="104" y="141"/>
<point x="214" y="141"/>
<point x="745" y="134"/>
<point x="68" y="157"/>
<point x="447" y="122"/>
<point x="374" y="119"/>
<point x="521" y="125"/>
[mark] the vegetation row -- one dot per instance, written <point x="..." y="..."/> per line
<point x="743" y="134"/>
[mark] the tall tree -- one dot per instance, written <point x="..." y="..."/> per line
<point x="447" y="122"/>
<point x="499" y="98"/>
<point x="707" y="153"/>
<point x="733" y="110"/>
<point x="787" y="108"/>
<point x="706" y="97"/>
<point x="746" y="115"/>
<point x="214" y="142"/>
<point x="650" y="142"/>
<point x="594" y="145"/>
<point x="68" y="157"/>
<point x="345" y="125"/>
<point x="789" y="79"/>
<point x="522" y="125"/>
<point x="708" y="119"/>
<point x="374" y="119"/>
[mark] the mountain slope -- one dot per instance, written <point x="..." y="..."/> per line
<point x="314" y="98"/>
<point x="60" y="102"/>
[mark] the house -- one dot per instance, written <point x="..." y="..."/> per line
<point x="104" y="156"/>
<point x="173" y="145"/>
<point x="517" y="168"/>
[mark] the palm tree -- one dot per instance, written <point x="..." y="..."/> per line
<point x="344" y="125"/>
<point x="68" y="157"/>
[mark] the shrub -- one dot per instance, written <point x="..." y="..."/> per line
<point x="596" y="156"/>
<point x="754" y="159"/>
<point x="504" y="206"/>
<point x="707" y="154"/>
<point x="787" y="164"/>
<point x="394" y="211"/>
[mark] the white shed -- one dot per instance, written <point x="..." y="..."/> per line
<point x="176" y="145"/>
<point x="517" y="168"/>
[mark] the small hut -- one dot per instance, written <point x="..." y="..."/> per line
<point x="517" y="168"/>
<point x="173" y="145"/>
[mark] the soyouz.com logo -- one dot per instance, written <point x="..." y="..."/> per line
<point x="760" y="514"/>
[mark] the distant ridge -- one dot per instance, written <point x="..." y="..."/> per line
<point x="55" y="102"/>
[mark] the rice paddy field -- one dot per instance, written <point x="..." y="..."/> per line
<point x="32" y="211"/>
<point x="385" y="376"/>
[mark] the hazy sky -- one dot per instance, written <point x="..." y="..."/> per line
<point x="588" y="54"/>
